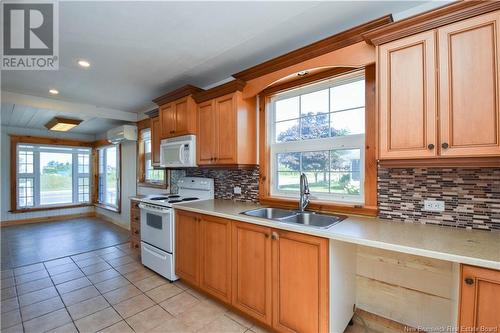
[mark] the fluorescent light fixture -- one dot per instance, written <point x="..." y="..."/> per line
<point x="62" y="124"/>
<point x="54" y="91"/>
<point x="84" y="63"/>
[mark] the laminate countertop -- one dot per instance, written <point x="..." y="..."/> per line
<point x="472" y="247"/>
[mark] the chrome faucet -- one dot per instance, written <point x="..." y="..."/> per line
<point x="304" y="192"/>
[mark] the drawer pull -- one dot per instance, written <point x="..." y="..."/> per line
<point x="469" y="281"/>
<point x="445" y="145"/>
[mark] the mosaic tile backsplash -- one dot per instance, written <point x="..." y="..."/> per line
<point x="471" y="196"/>
<point x="224" y="181"/>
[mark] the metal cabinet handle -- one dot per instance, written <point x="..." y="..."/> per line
<point x="275" y="235"/>
<point x="469" y="281"/>
<point x="430" y="146"/>
<point x="445" y="145"/>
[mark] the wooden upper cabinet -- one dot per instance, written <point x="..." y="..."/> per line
<point x="187" y="246"/>
<point x="206" y="133"/>
<point x="251" y="270"/>
<point x="178" y="118"/>
<point x="155" y="140"/>
<point x="300" y="283"/>
<point x="468" y="84"/>
<point x="227" y="140"/>
<point x="407" y="98"/>
<point x="227" y="131"/>
<point x="479" y="299"/>
<point x="215" y="247"/>
<point x="167" y="120"/>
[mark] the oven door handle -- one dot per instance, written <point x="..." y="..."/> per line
<point x="162" y="257"/>
<point x="154" y="210"/>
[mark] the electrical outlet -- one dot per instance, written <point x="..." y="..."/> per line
<point x="237" y="190"/>
<point x="433" y="206"/>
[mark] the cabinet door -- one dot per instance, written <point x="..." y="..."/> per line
<point x="167" y="120"/>
<point x="206" y="133"/>
<point x="407" y="98"/>
<point x="300" y="283"/>
<point x="155" y="140"/>
<point x="252" y="270"/>
<point x="181" y="117"/>
<point x="215" y="248"/>
<point x="187" y="247"/>
<point x="225" y="108"/>
<point x="480" y="299"/>
<point x="469" y="74"/>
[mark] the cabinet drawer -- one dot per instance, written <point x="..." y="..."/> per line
<point x="134" y="204"/>
<point x="135" y="229"/>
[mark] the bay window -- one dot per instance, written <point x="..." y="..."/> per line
<point x="319" y="130"/>
<point x="48" y="175"/>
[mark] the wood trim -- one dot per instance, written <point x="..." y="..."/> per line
<point x="370" y="137"/>
<point x="308" y="79"/>
<point x="176" y="94"/>
<point x="370" y="206"/>
<point x="39" y="209"/>
<point x="320" y="206"/>
<point x="106" y="207"/>
<point x="9" y="223"/>
<point x="152" y="113"/>
<point x="101" y="143"/>
<point x="327" y="45"/>
<point x="142" y="124"/>
<point x="223" y="89"/>
<point x="429" y="20"/>
<point x="442" y="162"/>
<point x="49" y="141"/>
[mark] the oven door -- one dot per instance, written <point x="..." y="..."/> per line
<point x="157" y="226"/>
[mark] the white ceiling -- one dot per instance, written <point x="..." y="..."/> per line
<point x="140" y="50"/>
<point x="15" y="115"/>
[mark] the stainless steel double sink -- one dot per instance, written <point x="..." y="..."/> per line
<point x="306" y="218"/>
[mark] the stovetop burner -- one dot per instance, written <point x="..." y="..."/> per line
<point x="174" y="201"/>
<point x="158" y="198"/>
<point x="172" y="196"/>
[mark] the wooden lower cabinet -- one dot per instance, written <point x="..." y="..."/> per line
<point x="479" y="299"/>
<point x="187" y="248"/>
<point x="276" y="277"/>
<point x="300" y="282"/>
<point x="135" y="225"/>
<point x="251" y="271"/>
<point x="215" y="265"/>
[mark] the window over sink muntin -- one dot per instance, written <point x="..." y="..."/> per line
<point x="319" y="129"/>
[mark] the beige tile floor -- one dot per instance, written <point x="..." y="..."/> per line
<point x="107" y="290"/>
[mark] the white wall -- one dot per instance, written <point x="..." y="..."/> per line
<point x="5" y="173"/>
<point x="128" y="189"/>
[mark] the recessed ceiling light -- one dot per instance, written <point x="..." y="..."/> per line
<point x="84" y="63"/>
<point x="54" y="91"/>
<point x="302" y="73"/>
<point x="62" y="124"/>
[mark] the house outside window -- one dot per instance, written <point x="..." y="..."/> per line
<point x="151" y="175"/>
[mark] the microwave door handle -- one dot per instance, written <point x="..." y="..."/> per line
<point x="181" y="154"/>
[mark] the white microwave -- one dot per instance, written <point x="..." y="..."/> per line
<point x="178" y="152"/>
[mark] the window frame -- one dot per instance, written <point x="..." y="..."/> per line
<point x="15" y="141"/>
<point x="99" y="203"/>
<point x="345" y="142"/>
<point x="266" y="196"/>
<point x="141" y="160"/>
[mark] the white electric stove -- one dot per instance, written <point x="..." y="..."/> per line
<point x="158" y="225"/>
